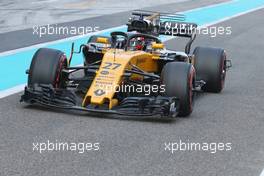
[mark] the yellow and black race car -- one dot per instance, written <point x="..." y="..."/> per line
<point x="129" y="73"/>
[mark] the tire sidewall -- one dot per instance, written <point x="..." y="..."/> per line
<point x="210" y="64"/>
<point x="179" y="79"/>
<point x="46" y="68"/>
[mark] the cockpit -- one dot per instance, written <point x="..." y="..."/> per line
<point x="133" y="41"/>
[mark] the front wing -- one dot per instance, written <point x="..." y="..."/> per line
<point x="131" y="106"/>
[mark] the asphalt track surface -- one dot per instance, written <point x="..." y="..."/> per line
<point x="136" y="146"/>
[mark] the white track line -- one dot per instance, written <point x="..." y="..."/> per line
<point x="13" y="90"/>
<point x="234" y="16"/>
<point x="262" y="173"/>
<point x="6" y="53"/>
<point x="19" y="88"/>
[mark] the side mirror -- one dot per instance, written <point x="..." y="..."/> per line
<point x="102" y="40"/>
<point x="157" y="45"/>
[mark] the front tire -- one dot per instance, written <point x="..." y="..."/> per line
<point x="179" y="80"/>
<point x="46" y="68"/>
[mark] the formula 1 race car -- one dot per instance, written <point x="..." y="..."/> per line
<point x="129" y="73"/>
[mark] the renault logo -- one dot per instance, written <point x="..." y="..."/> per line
<point x="99" y="92"/>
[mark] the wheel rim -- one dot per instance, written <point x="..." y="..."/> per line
<point x="191" y="94"/>
<point x="62" y="64"/>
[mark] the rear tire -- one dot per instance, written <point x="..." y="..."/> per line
<point x="210" y="67"/>
<point x="46" y="68"/>
<point x="179" y="80"/>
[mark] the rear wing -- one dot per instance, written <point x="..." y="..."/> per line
<point x="160" y="23"/>
<point x="163" y="16"/>
<point x="182" y="29"/>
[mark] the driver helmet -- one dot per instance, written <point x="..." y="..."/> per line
<point x="139" y="43"/>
